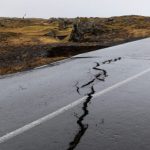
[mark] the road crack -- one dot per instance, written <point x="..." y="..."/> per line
<point x="100" y="76"/>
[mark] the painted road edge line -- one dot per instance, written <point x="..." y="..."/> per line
<point x="52" y="115"/>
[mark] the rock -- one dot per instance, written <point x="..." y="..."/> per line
<point x="51" y="34"/>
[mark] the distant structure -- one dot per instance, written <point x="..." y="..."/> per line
<point x="24" y="15"/>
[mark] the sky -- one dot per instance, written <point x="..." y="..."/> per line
<point x="73" y="8"/>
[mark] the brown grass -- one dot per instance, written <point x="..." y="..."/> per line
<point x="28" y="65"/>
<point x="23" y="37"/>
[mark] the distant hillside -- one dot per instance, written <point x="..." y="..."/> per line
<point x="26" y="43"/>
<point x="112" y="29"/>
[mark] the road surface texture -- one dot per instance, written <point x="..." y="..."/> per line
<point x="94" y="101"/>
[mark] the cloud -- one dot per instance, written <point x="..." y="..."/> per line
<point x="73" y="8"/>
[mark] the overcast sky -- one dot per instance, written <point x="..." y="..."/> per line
<point x="73" y="8"/>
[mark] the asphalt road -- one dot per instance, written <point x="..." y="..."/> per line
<point x="94" y="101"/>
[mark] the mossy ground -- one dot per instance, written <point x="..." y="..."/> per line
<point x="27" y="43"/>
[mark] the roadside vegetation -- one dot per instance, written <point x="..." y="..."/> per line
<point x="27" y="43"/>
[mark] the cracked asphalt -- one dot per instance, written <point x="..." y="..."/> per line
<point x="118" y="119"/>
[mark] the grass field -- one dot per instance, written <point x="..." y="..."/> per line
<point x="27" y="43"/>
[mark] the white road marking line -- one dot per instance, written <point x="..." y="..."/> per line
<point x="33" y="124"/>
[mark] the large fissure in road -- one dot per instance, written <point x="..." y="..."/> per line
<point x="100" y="75"/>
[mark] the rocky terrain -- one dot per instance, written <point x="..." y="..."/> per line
<point x="27" y="43"/>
